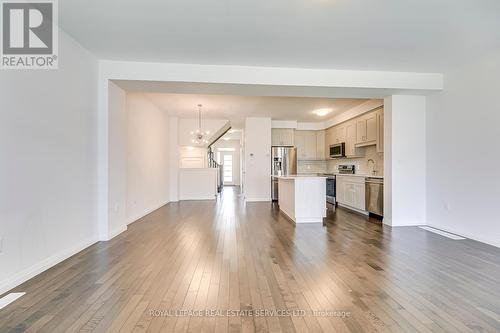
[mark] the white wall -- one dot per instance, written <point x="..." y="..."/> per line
<point x="258" y="159"/>
<point x="117" y="182"/>
<point x="173" y="141"/>
<point x="404" y="160"/>
<point x="148" y="178"/>
<point x="197" y="184"/>
<point x="463" y="154"/>
<point x="48" y="163"/>
<point x="193" y="157"/>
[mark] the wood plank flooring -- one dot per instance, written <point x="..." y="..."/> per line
<point x="187" y="258"/>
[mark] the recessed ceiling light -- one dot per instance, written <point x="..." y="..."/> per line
<point x="322" y="112"/>
<point x="227" y="139"/>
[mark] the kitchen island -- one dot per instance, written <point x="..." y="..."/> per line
<point x="302" y="198"/>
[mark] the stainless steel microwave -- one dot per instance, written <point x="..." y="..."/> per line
<point x="337" y="150"/>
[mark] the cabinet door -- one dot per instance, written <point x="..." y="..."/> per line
<point x="360" y="130"/>
<point x="320" y="145"/>
<point x="359" y="196"/>
<point x="349" y="195"/>
<point x="330" y="138"/>
<point x="275" y="137"/>
<point x="340" y="191"/>
<point x="300" y="144"/>
<point x="286" y="137"/>
<point x="380" y="131"/>
<point x="310" y="143"/>
<point x="350" y="139"/>
<point x="278" y="136"/>
<point x="341" y="134"/>
<point x="371" y="127"/>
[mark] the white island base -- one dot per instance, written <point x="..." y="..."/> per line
<point x="302" y="198"/>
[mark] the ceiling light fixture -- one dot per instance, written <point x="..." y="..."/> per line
<point x="322" y="112"/>
<point x="199" y="135"/>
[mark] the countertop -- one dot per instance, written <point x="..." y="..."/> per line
<point x="364" y="175"/>
<point x="305" y="176"/>
<point x="359" y="175"/>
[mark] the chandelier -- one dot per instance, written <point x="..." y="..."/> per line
<point x="199" y="136"/>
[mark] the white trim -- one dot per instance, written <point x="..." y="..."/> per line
<point x="364" y="212"/>
<point x="9" y="298"/>
<point x="467" y="235"/>
<point x="284" y="124"/>
<point x="202" y="198"/>
<point x="115" y="232"/>
<point x="281" y="76"/>
<point x="146" y="212"/>
<point x="33" y="270"/>
<point x="357" y="111"/>
<point x="442" y="233"/>
<point x="257" y="199"/>
<point x="307" y="220"/>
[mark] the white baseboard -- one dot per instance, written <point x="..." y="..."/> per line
<point x="363" y="212"/>
<point x="197" y="198"/>
<point x="115" y="232"/>
<point x="467" y="235"/>
<point x="28" y="273"/>
<point x="257" y="199"/>
<point x="146" y="212"/>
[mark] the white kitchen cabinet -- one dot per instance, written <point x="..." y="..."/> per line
<point x="330" y="139"/>
<point x="351" y="192"/>
<point x="282" y="137"/>
<point x="340" y="133"/>
<point x="320" y="145"/>
<point x="350" y="143"/>
<point x="366" y="128"/>
<point x="380" y="130"/>
<point x="306" y="143"/>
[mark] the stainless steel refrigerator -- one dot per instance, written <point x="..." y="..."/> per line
<point x="283" y="162"/>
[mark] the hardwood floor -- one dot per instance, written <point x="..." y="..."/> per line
<point x="228" y="255"/>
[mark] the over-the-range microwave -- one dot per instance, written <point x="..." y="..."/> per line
<point x="337" y="150"/>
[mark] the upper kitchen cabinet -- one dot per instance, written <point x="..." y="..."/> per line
<point x="350" y="141"/>
<point x="282" y="137"/>
<point x="307" y="145"/>
<point x="330" y="139"/>
<point x="380" y="130"/>
<point x="320" y="145"/>
<point x="340" y="133"/>
<point x="366" y="128"/>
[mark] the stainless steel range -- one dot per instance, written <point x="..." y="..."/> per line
<point x="347" y="169"/>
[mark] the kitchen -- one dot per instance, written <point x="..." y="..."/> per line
<point x="348" y="158"/>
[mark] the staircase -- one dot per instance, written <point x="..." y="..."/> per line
<point x="212" y="163"/>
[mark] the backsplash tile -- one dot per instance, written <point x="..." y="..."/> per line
<point x="362" y="162"/>
<point x="329" y="166"/>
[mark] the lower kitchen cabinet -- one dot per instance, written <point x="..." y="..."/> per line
<point x="351" y="191"/>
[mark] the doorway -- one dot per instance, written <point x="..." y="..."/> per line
<point x="228" y="165"/>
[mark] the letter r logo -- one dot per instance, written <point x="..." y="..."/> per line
<point x="27" y="27"/>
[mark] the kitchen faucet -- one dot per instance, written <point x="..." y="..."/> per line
<point x="374" y="165"/>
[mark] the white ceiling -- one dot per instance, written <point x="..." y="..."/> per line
<point x="237" y="108"/>
<point x="411" y="35"/>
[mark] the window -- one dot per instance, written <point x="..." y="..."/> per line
<point x="228" y="168"/>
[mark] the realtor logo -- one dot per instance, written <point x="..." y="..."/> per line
<point x="29" y="34"/>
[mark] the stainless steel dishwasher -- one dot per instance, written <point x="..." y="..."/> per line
<point x="374" y="196"/>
